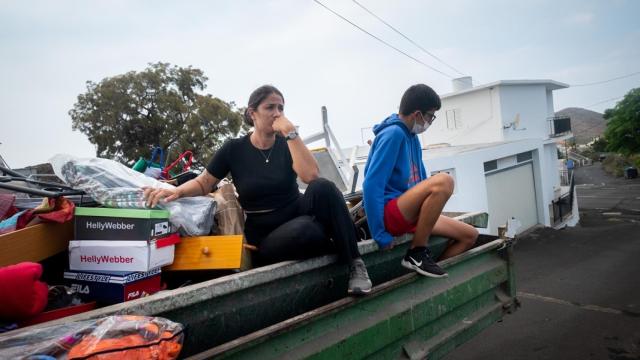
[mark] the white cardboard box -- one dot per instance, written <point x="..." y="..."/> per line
<point x="118" y="255"/>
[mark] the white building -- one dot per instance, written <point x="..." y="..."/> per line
<point x="498" y="141"/>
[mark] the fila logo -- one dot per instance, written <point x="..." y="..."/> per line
<point x="80" y="289"/>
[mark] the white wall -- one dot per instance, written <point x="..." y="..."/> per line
<point x="471" y="190"/>
<point x="550" y="106"/>
<point x="552" y="178"/>
<point x="470" y="194"/>
<point x="528" y="103"/>
<point x="477" y="120"/>
<point x="480" y="115"/>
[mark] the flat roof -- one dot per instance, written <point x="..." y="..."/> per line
<point x="549" y="84"/>
<point x="443" y="150"/>
<point x="432" y="151"/>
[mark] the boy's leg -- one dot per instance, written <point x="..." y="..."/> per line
<point x="462" y="235"/>
<point x="423" y="203"/>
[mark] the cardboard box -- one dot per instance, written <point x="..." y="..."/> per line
<point x="109" y="255"/>
<point x="120" y="224"/>
<point x="113" y="287"/>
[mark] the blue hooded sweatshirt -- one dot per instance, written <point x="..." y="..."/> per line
<point x="394" y="165"/>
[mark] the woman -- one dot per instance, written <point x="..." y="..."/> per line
<point x="282" y="223"/>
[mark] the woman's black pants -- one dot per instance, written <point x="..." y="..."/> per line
<point x="317" y="223"/>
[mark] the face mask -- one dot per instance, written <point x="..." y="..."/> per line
<point x="418" y="128"/>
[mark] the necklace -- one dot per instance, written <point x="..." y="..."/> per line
<point x="266" y="157"/>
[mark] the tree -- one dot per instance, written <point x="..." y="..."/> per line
<point x="126" y="115"/>
<point x="623" y="124"/>
<point x="599" y="145"/>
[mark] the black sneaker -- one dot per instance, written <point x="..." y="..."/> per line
<point x="419" y="259"/>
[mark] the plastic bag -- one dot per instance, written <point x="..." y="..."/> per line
<point x="114" y="185"/>
<point x="110" y="338"/>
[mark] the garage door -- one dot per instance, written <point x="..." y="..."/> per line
<point x="511" y="192"/>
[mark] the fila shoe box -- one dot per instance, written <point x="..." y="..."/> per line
<point x="113" y="287"/>
<point x="120" y="224"/>
<point x="128" y="255"/>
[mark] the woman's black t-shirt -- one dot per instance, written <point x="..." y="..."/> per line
<point x="261" y="184"/>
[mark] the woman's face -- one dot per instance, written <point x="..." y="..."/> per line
<point x="266" y="113"/>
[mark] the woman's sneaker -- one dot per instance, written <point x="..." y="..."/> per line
<point x="419" y="259"/>
<point x="359" y="282"/>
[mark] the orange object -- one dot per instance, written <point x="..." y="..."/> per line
<point x="208" y="252"/>
<point x="136" y="339"/>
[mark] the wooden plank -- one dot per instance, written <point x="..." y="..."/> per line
<point x="35" y="243"/>
<point x="208" y="252"/>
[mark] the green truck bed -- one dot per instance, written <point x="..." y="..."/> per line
<point x="299" y="309"/>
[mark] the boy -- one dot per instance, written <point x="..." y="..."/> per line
<point x="398" y="196"/>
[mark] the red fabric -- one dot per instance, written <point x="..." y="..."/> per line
<point x="52" y="210"/>
<point x="23" y="294"/>
<point x="6" y="206"/>
<point x="62" y="211"/>
<point x="394" y="221"/>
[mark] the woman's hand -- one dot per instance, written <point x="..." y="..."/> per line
<point x="154" y="195"/>
<point x="282" y="125"/>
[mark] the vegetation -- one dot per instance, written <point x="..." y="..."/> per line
<point x="623" y="125"/>
<point x="126" y="115"/>
<point x="599" y="145"/>
<point x="615" y="163"/>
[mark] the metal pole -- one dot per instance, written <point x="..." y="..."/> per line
<point x="325" y="122"/>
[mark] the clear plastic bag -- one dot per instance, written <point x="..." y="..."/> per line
<point x="114" y="185"/>
<point x="110" y="338"/>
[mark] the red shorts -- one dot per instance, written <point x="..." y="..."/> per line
<point x="394" y="221"/>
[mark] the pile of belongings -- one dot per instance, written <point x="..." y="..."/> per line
<point x="117" y="186"/>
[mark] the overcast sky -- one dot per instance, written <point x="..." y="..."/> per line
<point x="49" y="49"/>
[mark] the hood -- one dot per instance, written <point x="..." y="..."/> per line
<point x="393" y="119"/>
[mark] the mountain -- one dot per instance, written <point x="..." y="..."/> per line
<point x="585" y="124"/>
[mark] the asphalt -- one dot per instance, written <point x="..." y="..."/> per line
<point x="579" y="287"/>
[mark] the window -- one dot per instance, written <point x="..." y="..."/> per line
<point x="450" y="120"/>
<point x="525" y="156"/>
<point x="490" y="165"/>
<point x="454" y="119"/>
<point x="457" y="118"/>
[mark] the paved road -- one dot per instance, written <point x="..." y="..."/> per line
<point x="579" y="287"/>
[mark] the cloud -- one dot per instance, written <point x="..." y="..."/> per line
<point x="583" y="18"/>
